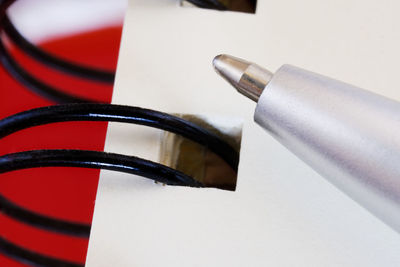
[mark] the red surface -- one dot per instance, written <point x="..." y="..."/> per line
<point x="67" y="193"/>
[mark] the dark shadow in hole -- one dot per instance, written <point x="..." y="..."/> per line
<point x="196" y="160"/>
<point x="246" y="6"/>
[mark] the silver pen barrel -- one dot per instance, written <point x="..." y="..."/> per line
<point x="348" y="135"/>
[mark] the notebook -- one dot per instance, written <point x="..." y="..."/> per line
<point x="282" y="212"/>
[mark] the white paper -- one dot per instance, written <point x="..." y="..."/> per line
<point x="282" y="213"/>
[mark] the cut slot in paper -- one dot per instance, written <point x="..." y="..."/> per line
<point x="196" y="160"/>
<point x="246" y="6"/>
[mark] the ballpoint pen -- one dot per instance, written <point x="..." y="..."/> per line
<point x="348" y="135"/>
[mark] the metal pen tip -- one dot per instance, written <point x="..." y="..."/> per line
<point x="230" y="68"/>
<point x="248" y="78"/>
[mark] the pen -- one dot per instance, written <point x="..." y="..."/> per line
<point x="348" y="135"/>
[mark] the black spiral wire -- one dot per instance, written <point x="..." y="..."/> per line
<point x="34" y="84"/>
<point x="93" y="159"/>
<point x="209" y="4"/>
<point x="53" y="61"/>
<point x="86" y="111"/>
<point x="40" y="87"/>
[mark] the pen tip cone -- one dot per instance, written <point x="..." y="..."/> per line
<point x="229" y="67"/>
<point x="216" y="60"/>
<point x="248" y="78"/>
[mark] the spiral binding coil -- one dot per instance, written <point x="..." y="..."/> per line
<point x="87" y="111"/>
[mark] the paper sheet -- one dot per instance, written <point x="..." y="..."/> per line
<point x="282" y="213"/>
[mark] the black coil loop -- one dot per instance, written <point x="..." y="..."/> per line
<point x="34" y="84"/>
<point x="209" y="4"/>
<point x="86" y="111"/>
<point x="93" y="159"/>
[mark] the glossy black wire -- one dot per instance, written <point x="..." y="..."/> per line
<point x="14" y="251"/>
<point x="31" y="159"/>
<point x="35" y="85"/>
<point x="73" y="158"/>
<point x="11" y="250"/>
<point x="47" y="223"/>
<point x="95" y="160"/>
<point x="82" y="159"/>
<point x="100" y="112"/>
<point x="41" y="88"/>
<point x="209" y="4"/>
<point x="125" y="114"/>
<point x="52" y="61"/>
<point x="32" y="258"/>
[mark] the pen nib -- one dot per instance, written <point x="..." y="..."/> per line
<point x="248" y="78"/>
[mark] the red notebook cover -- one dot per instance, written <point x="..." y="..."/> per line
<point x="65" y="193"/>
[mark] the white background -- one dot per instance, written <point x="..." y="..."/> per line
<point x="44" y="19"/>
<point x="283" y="213"/>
